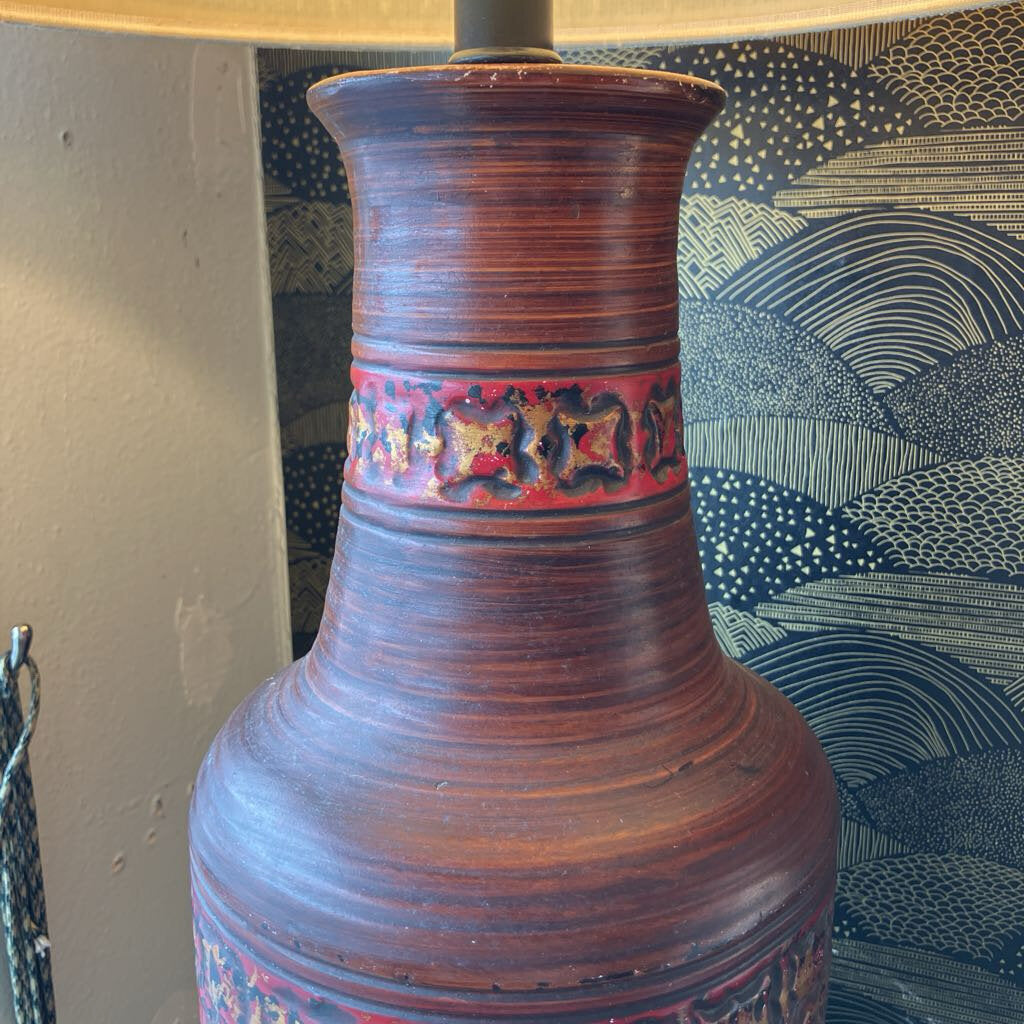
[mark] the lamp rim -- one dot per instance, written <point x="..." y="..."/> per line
<point x="711" y="92"/>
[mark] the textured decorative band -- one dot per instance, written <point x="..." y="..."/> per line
<point x="511" y="445"/>
<point x="790" y="987"/>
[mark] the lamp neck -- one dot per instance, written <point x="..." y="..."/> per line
<point x="515" y="414"/>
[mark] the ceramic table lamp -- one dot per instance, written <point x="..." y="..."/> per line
<point x="515" y="779"/>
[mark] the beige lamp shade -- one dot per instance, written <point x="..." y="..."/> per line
<point x="427" y="24"/>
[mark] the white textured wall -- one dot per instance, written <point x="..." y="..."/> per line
<point x="141" y="524"/>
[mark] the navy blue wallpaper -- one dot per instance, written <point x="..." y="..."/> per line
<point x="851" y="266"/>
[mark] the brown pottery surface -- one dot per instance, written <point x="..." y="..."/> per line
<point x="515" y="779"/>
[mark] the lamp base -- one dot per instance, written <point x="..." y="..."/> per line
<point x="515" y="781"/>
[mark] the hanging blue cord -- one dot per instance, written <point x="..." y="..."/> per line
<point x="22" y="904"/>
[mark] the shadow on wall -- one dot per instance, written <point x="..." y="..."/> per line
<point x="852" y="273"/>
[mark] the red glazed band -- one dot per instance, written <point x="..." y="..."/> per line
<point x="788" y="984"/>
<point x="515" y="445"/>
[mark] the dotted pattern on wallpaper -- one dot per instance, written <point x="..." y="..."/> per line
<point x="852" y="276"/>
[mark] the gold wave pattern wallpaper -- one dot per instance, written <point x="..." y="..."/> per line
<point x="852" y="280"/>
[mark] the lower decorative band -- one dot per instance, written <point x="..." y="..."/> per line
<point x="511" y="445"/>
<point x="788" y="988"/>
